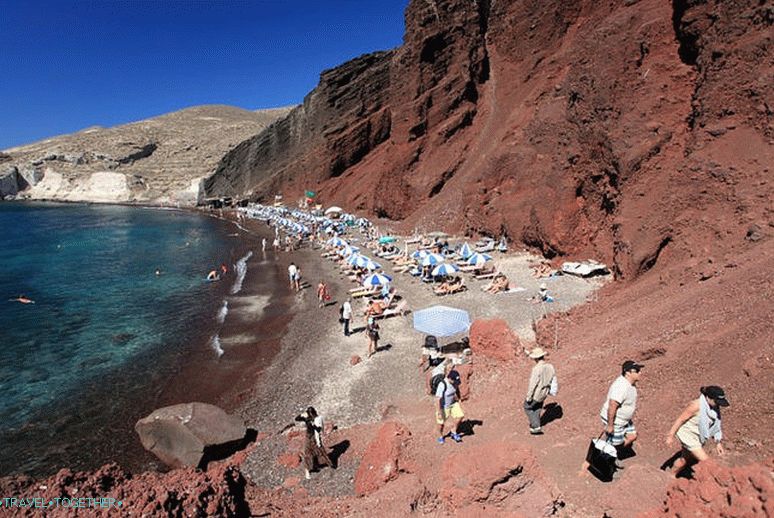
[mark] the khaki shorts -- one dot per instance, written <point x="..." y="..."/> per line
<point x="688" y="440"/>
<point x="454" y="411"/>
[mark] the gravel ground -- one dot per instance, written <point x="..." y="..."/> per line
<point x="313" y="364"/>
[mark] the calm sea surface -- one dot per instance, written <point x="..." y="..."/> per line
<point x="105" y="333"/>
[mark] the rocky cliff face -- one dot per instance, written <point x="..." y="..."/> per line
<point x="601" y="129"/>
<point x="158" y="161"/>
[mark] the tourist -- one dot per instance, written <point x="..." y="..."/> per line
<point x="276" y="244"/>
<point x="699" y="421"/>
<point x="297" y="281"/>
<point x="447" y="408"/>
<point x="543" y="295"/>
<point x="322" y="293"/>
<point x="213" y="276"/>
<point x="314" y="450"/>
<point x="346" y="315"/>
<point x="372" y="331"/>
<point x="618" y="410"/>
<point x="292" y="271"/>
<point x="538" y="389"/>
<point x="263" y="244"/>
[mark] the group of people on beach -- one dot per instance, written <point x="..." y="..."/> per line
<point x="699" y="421"/>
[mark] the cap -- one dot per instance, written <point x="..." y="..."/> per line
<point x="631" y="365"/>
<point x="543" y="286"/>
<point x="536" y="353"/>
<point x="454" y="377"/>
<point x="716" y="393"/>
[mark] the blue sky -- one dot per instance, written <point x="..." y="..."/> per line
<point x="68" y="65"/>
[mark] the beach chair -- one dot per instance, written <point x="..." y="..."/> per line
<point x="400" y="309"/>
<point x="485" y="275"/>
<point x="364" y="293"/>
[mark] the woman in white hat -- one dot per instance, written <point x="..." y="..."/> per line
<point x="538" y="389"/>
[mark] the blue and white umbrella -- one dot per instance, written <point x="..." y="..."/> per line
<point x="445" y="269"/>
<point x="367" y="263"/>
<point x="352" y="259"/>
<point x="465" y="252"/>
<point x="441" y="321"/>
<point x="431" y="260"/>
<point x="348" y="250"/>
<point x="376" y="279"/>
<point x="419" y="254"/>
<point x="337" y="241"/>
<point x="479" y="259"/>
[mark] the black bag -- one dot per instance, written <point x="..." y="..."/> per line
<point x="601" y="464"/>
<point x="434" y="382"/>
<point x="431" y="342"/>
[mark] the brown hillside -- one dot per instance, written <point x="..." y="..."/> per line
<point x="605" y="129"/>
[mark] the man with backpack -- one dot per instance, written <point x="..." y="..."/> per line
<point x="539" y="388"/>
<point x="448" y="407"/>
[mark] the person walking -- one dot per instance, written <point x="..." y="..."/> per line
<point x="448" y="409"/>
<point x="372" y="330"/>
<point x="538" y="389"/>
<point x="322" y="293"/>
<point x="263" y="244"/>
<point x="315" y="453"/>
<point x="346" y="315"/>
<point x="292" y="271"/>
<point x="618" y="409"/>
<point x="297" y="279"/>
<point x="699" y="421"/>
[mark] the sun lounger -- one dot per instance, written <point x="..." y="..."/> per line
<point x="413" y="240"/>
<point x="487" y="275"/>
<point x="364" y="293"/>
<point x="400" y="309"/>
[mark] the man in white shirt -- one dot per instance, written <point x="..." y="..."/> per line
<point x="346" y="315"/>
<point x="618" y="409"/>
<point x="292" y="271"/>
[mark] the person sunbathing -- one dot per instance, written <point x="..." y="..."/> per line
<point x="449" y="286"/>
<point x="376" y="307"/>
<point x="498" y="284"/>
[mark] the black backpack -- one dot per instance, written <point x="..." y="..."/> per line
<point x="434" y="382"/>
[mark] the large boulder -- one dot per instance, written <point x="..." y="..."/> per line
<point x="493" y="339"/>
<point x="9" y="181"/>
<point x="189" y="434"/>
<point x="503" y="475"/>
<point x="381" y="462"/>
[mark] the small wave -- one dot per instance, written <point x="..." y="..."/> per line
<point x="215" y="344"/>
<point x="222" y="312"/>
<point x="241" y="271"/>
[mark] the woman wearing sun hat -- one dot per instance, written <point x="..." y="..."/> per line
<point x="538" y="389"/>
<point x="699" y="421"/>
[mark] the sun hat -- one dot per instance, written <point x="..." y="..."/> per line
<point x="536" y="353"/>
<point x="631" y="365"/>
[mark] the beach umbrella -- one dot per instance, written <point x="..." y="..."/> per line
<point x="479" y="259"/>
<point x="337" y="241"/>
<point x="376" y="279"/>
<point x="431" y="260"/>
<point x="348" y="250"/>
<point x="333" y="210"/>
<point x="419" y="254"/>
<point x="445" y="269"/>
<point x="465" y="252"/>
<point x="441" y="321"/>
<point x="352" y="260"/>
<point x="386" y="239"/>
<point x="367" y="263"/>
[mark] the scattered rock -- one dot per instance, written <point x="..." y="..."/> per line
<point x="754" y="233"/>
<point x="289" y="460"/>
<point x="381" y="461"/>
<point x="355" y="359"/>
<point x="189" y="434"/>
<point x="493" y="339"/>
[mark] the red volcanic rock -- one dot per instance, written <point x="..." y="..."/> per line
<point x="291" y="482"/>
<point x="355" y="359"/>
<point x="500" y="475"/>
<point x="381" y="461"/>
<point x="289" y="460"/>
<point x="721" y="491"/>
<point x="219" y="491"/>
<point x="493" y="339"/>
<point x="465" y="371"/>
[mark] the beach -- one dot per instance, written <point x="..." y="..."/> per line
<point x="313" y="363"/>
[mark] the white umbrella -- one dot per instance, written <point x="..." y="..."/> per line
<point x="465" y="252"/>
<point x="479" y="259"/>
<point x="376" y="279"/>
<point x="432" y="260"/>
<point x="445" y="269"/>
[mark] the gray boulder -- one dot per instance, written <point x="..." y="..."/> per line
<point x="9" y="181"/>
<point x="190" y="434"/>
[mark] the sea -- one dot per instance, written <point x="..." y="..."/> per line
<point x="121" y="301"/>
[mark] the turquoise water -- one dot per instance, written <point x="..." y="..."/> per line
<point x="104" y="327"/>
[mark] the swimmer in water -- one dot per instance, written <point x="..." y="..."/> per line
<point x="23" y="299"/>
<point x="213" y="276"/>
<point x="158" y="272"/>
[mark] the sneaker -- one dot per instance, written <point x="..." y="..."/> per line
<point x="441" y="440"/>
<point x="536" y="431"/>
<point x="457" y="437"/>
